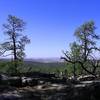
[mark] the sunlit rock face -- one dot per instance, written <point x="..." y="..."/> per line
<point x="86" y="78"/>
<point x="28" y="81"/>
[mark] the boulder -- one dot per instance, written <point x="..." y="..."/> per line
<point x="15" y="81"/>
<point x="27" y="81"/>
<point x="4" y="79"/>
<point x="86" y="78"/>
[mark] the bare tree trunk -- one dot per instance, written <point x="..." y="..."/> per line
<point x="14" y="49"/>
<point x="15" y="56"/>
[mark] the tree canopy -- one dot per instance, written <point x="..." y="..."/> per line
<point x="15" y="44"/>
<point x="82" y="50"/>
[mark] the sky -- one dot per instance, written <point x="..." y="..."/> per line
<point x="50" y="23"/>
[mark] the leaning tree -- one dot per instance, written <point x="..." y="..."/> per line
<point x="86" y="45"/>
<point x="15" y="44"/>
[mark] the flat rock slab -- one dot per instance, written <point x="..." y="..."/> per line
<point x="7" y="96"/>
<point x="50" y="87"/>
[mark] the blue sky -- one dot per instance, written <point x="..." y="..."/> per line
<point x="50" y="23"/>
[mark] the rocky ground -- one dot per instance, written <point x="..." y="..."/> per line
<point x="70" y="90"/>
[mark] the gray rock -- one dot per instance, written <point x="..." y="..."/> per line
<point x="27" y="81"/>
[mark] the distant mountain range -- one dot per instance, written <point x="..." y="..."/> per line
<point x="41" y="60"/>
<point x="44" y="60"/>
